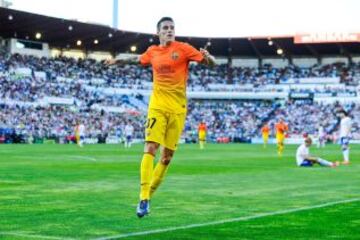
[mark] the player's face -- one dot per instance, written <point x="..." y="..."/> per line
<point x="166" y="31"/>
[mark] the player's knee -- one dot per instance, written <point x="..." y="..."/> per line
<point x="151" y="147"/>
<point x="167" y="156"/>
<point x="344" y="147"/>
<point x="166" y="161"/>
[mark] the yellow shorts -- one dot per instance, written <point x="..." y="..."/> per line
<point x="77" y="138"/>
<point x="164" y="128"/>
<point x="280" y="138"/>
<point x="202" y="136"/>
<point x="265" y="137"/>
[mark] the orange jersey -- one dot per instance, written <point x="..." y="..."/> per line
<point x="170" y="73"/>
<point x="202" y="127"/>
<point x="281" y="128"/>
<point x="265" y="130"/>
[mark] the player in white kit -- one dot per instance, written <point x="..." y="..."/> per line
<point x="129" y="131"/>
<point x="345" y="130"/>
<point x="80" y="134"/>
<point x="304" y="159"/>
<point x="321" y="137"/>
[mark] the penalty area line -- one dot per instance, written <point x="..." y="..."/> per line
<point x="230" y="220"/>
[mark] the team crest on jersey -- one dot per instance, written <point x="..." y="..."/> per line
<point x="175" y="56"/>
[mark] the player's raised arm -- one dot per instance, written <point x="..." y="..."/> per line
<point x="208" y="58"/>
<point x="130" y="60"/>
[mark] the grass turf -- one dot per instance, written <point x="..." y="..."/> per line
<point x="67" y="192"/>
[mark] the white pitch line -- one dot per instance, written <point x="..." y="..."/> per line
<point x="18" y="234"/>
<point x="230" y="220"/>
<point x="83" y="157"/>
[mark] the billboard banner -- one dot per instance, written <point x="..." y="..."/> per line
<point x="327" y="37"/>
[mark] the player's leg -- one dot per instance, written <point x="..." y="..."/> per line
<point x="146" y="169"/>
<point x="326" y="163"/>
<point x="174" y="129"/>
<point x="81" y="140"/>
<point x="345" y="150"/>
<point x="154" y="135"/>
<point x="280" y="145"/>
<point x="77" y="139"/>
<point x="127" y="142"/>
<point x="146" y="173"/>
<point x="202" y="140"/>
<point x="161" y="169"/>
<point x="265" y="140"/>
<point x="203" y="144"/>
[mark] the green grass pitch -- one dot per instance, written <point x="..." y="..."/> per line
<point x="233" y="191"/>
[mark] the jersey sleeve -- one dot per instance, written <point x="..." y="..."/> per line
<point x="192" y="53"/>
<point x="349" y="123"/>
<point x="145" y="58"/>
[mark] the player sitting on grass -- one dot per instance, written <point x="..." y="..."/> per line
<point x="304" y="159"/>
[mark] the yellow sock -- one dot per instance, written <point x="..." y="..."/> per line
<point x="201" y="144"/>
<point x="146" y="171"/>
<point x="280" y="149"/>
<point x="158" y="176"/>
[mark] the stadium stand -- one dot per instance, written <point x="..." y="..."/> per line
<point x="43" y="98"/>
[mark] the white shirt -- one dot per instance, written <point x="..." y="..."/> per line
<point x="321" y="131"/>
<point x="301" y="153"/>
<point x="129" y="130"/>
<point x="345" y="127"/>
<point x="81" y="129"/>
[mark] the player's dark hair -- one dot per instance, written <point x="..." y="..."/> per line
<point x="163" y="19"/>
<point x="344" y="112"/>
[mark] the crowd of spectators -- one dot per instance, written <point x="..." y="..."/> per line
<point x="243" y="120"/>
<point x="306" y="117"/>
<point x="237" y="120"/>
<point x="58" y="122"/>
<point x="135" y="76"/>
<point x="83" y="81"/>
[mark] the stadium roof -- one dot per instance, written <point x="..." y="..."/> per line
<point x="55" y="31"/>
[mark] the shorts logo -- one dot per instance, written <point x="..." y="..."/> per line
<point x="175" y="56"/>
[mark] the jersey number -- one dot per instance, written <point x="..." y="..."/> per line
<point x="150" y="122"/>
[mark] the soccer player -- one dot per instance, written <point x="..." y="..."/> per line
<point x="79" y="133"/>
<point x="129" y="131"/>
<point x="167" y="107"/>
<point x="345" y="130"/>
<point x="304" y="159"/>
<point x="265" y="130"/>
<point x="202" y="134"/>
<point x="321" y="137"/>
<point x="281" y="129"/>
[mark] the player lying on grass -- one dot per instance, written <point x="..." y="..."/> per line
<point x="304" y="159"/>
